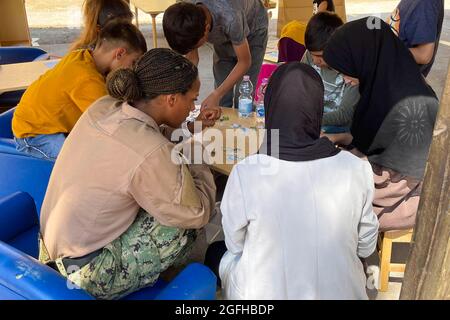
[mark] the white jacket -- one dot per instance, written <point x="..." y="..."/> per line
<point x="294" y="230"/>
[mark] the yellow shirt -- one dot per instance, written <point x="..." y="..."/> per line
<point x="294" y="30"/>
<point x="55" y="102"/>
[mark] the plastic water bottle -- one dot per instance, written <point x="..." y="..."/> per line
<point x="245" y="98"/>
<point x="260" y="112"/>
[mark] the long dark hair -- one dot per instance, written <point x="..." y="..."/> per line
<point x="125" y="32"/>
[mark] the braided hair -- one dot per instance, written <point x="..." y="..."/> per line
<point x="159" y="71"/>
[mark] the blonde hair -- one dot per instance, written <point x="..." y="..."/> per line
<point x="96" y="14"/>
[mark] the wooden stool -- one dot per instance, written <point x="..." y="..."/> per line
<point x="385" y="241"/>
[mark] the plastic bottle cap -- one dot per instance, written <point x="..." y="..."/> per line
<point x="246" y="78"/>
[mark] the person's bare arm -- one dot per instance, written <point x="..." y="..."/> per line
<point x="343" y="139"/>
<point x="244" y="58"/>
<point x="193" y="57"/>
<point x="207" y="117"/>
<point x="423" y="53"/>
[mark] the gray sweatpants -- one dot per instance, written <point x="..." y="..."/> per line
<point x="225" y="60"/>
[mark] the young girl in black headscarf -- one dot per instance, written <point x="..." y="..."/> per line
<point x="394" y="120"/>
<point x="297" y="216"/>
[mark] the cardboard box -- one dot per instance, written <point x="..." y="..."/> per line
<point x="13" y="23"/>
<point x="302" y="10"/>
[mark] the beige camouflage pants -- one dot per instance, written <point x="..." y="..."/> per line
<point x="131" y="262"/>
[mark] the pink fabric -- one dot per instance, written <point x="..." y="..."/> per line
<point x="290" y="50"/>
<point x="267" y="70"/>
<point x="396" y="199"/>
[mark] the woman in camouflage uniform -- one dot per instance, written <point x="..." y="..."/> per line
<point x="118" y="209"/>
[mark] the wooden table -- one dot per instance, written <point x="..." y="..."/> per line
<point x="153" y="8"/>
<point x="271" y="56"/>
<point x="19" y="76"/>
<point x="249" y="129"/>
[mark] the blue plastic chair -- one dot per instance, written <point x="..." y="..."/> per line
<point x="19" y="225"/>
<point x="27" y="174"/>
<point x="9" y="55"/>
<point x="6" y="124"/>
<point x="22" y="277"/>
<point x="19" y="172"/>
<point x="7" y="144"/>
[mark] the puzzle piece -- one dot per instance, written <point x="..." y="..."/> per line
<point x="234" y="157"/>
<point x="233" y="154"/>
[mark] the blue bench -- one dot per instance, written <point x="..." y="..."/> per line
<point x="7" y="144"/>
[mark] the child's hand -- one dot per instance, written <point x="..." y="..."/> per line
<point x="207" y="117"/>
<point x="212" y="101"/>
<point x="339" y="138"/>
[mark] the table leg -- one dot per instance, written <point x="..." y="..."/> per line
<point x="136" y="14"/>
<point x="155" y="36"/>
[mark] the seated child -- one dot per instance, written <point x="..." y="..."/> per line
<point x="340" y="97"/>
<point x="51" y="106"/>
<point x="301" y="234"/>
<point x="291" y="46"/>
<point x="119" y="210"/>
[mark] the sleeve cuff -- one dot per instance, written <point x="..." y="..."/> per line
<point x="186" y="132"/>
